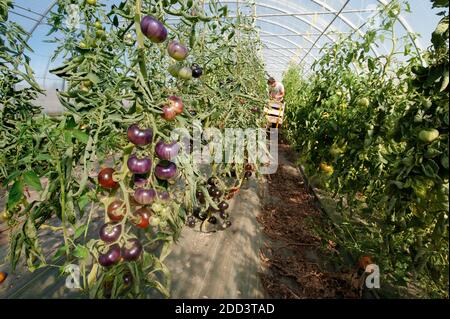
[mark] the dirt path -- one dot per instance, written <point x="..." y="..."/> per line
<point x="293" y="254"/>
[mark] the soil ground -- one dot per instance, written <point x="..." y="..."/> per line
<point x="294" y="255"/>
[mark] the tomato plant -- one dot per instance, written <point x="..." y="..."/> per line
<point x="110" y="152"/>
<point x="377" y="141"/>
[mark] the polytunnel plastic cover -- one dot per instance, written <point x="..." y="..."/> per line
<point x="292" y="31"/>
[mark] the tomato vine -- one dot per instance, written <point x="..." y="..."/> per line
<point x="378" y="141"/>
<point x="116" y="77"/>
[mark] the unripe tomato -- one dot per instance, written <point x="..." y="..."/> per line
<point x="91" y="2"/>
<point x="174" y="69"/>
<point x="5" y="216"/>
<point x="87" y="83"/>
<point x="100" y="34"/>
<point x="185" y="73"/>
<point x="84" y="89"/>
<point x="428" y="136"/>
<point x="98" y="25"/>
<point x="82" y="45"/>
<point x="363" y="102"/>
<point x="326" y="168"/>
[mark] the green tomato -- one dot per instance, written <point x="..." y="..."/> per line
<point x="428" y="136"/>
<point x="84" y="89"/>
<point x="100" y="34"/>
<point x="185" y="73"/>
<point x="328" y="169"/>
<point x="363" y="102"/>
<point x="87" y="83"/>
<point x="82" y="45"/>
<point x="174" y="70"/>
<point x="5" y="216"/>
<point x="91" y="2"/>
<point x="98" y="25"/>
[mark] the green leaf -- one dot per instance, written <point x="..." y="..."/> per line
<point x="80" y="136"/>
<point x="15" y="194"/>
<point x="31" y="179"/>
<point x="81" y="252"/>
<point x="79" y="231"/>
<point x="93" y="77"/>
<point x="43" y="157"/>
<point x="60" y="252"/>
<point x="83" y="201"/>
<point x="445" y="81"/>
<point x="11" y="176"/>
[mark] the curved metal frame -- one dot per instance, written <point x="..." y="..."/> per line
<point x="295" y="44"/>
<point x="44" y="15"/>
<point x="320" y="3"/>
<point x="263" y="5"/>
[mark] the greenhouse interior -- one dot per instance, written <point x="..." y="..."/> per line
<point x="212" y="149"/>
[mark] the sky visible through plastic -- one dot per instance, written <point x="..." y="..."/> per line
<point x="286" y="37"/>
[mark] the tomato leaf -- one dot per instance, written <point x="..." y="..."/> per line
<point x="81" y="252"/>
<point x="60" y="252"/>
<point x="79" y="231"/>
<point x="43" y="157"/>
<point x="15" y="194"/>
<point x="80" y="136"/>
<point x="31" y="179"/>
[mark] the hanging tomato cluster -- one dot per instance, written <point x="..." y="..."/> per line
<point x="126" y="90"/>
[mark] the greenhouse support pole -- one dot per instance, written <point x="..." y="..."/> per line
<point x="324" y="30"/>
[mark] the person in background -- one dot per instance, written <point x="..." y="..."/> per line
<point x="276" y="90"/>
<point x="276" y="95"/>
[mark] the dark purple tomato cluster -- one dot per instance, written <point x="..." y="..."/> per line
<point x="141" y="167"/>
<point x="209" y="213"/>
<point x="155" y="30"/>
<point x="110" y="233"/>
<point x="130" y="251"/>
